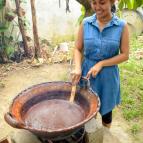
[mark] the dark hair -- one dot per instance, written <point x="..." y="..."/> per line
<point x="113" y="8"/>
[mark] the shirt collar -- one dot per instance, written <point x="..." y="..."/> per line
<point x="113" y="21"/>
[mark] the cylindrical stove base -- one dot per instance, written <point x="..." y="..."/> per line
<point x="79" y="137"/>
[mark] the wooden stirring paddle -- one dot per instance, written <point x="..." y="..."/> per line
<point x="72" y="96"/>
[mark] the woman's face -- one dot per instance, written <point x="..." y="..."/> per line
<point x="102" y="8"/>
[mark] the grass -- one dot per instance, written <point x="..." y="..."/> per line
<point x="135" y="129"/>
<point x="131" y="74"/>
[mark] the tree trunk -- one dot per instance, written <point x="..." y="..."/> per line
<point x="21" y="27"/>
<point x="87" y="6"/>
<point x="35" y="31"/>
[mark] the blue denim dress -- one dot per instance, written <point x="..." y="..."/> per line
<point x="97" y="47"/>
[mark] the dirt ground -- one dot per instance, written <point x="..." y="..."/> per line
<point x="18" y="80"/>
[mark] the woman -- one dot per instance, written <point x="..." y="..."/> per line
<point x="103" y="39"/>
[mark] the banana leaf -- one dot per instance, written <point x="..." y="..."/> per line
<point x="130" y="4"/>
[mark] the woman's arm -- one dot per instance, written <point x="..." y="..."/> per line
<point x="78" y="48"/>
<point x="78" y="56"/>
<point x="123" y="56"/>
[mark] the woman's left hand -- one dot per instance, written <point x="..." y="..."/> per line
<point x="94" y="70"/>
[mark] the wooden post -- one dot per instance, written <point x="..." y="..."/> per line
<point x="35" y="31"/>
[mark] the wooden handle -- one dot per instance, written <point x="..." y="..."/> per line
<point x="73" y="93"/>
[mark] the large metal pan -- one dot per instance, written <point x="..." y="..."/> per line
<point x="45" y="110"/>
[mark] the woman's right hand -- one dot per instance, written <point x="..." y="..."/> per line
<point x="76" y="75"/>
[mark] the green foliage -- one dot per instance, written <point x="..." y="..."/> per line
<point x="82" y="15"/>
<point x="135" y="44"/>
<point x="26" y="23"/>
<point x="6" y="40"/>
<point x="135" y="129"/>
<point x="10" y="15"/>
<point x="130" y="4"/>
<point x="2" y="3"/>
<point x="9" y="50"/>
<point x="6" y="45"/>
<point x="131" y="75"/>
<point x="4" y="26"/>
<point x="131" y="83"/>
<point x="130" y="114"/>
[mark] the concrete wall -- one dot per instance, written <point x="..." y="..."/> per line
<point x="53" y="20"/>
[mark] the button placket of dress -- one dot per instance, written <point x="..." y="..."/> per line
<point x="99" y="54"/>
<point x="98" y="50"/>
<point x="100" y="38"/>
<point x="101" y="44"/>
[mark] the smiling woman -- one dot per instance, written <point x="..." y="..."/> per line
<point x="103" y="7"/>
<point x="103" y="40"/>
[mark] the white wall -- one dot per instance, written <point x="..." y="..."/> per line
<point x="53" y="20"/>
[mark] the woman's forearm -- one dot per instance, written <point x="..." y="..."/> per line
<point x="115" y="60"/>
<point x="77" y="58"/>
